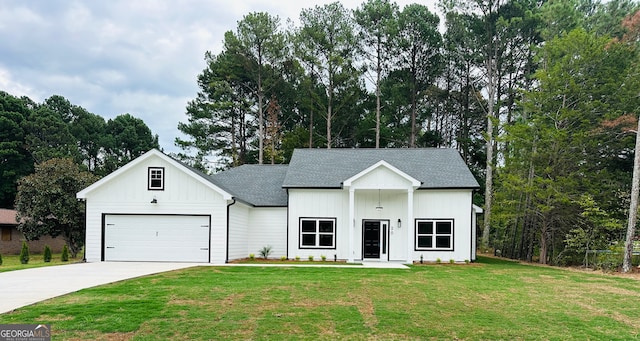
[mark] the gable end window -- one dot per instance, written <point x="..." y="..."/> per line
<point x="317" y="233"/>
<point x="156" y="178"/>
<point x="434" y="234"/>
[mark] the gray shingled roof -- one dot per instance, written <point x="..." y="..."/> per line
<point x="327" y="168"/>
<point x="257" y="185"/>
<point x="265" y="185"/>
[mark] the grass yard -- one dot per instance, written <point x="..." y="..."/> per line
<point x="12" y="262"/>
<point x="490" y="300"/>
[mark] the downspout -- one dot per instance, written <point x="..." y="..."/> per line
<point x="287" y="253"/>
<point x="228" y="206"/>
<point x="84" y="251"/>
<point x="473" y="226"/>
<point x="474" y="234"/>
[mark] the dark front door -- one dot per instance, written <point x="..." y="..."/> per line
<point x="371" y="239"/>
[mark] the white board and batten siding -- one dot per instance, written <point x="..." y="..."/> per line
<point x="455" y="204"/>
<point x="252" y="228"/>
<point x="128" y="194"/>
<point x="268" y="227"/>
<point x="238" y="230"/>
<point x="319" y="203"/>
<point x="449" y="204"/>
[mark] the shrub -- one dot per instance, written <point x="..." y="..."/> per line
<point x="452" y="261"/>
<point x="24" y="253"/>
<point x="466" y="261"/>
<point x="283" y="258"/>
<point x="65" y="253"/>
<point x="310" y="258"/>
<point x="297" y="258"/>
<point x="266" y="251"/>
<point x="252" y="256"/>
<point x="611" y="259"/>
<point x="47" y="254"/>
<point x="323" y="257"/>
<point x="438" y="260"/>
<point x="0" y="259"/>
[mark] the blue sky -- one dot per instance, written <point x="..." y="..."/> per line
<point x="121" y="56"/>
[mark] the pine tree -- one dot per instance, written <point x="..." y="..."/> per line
<point x="24" y="253"/>
<point x="47" y="254"/>
<point x="65" y="253"/>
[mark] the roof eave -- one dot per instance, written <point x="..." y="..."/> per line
<point x="83" y="193"/>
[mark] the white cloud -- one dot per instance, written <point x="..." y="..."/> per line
<point x="9" y="85"/>
<point x="140" y="57"/>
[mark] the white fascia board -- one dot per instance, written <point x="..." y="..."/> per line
<point x="153" y="152"/>
<point x="414" y="183"/>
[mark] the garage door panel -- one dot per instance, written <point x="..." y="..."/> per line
<point x="157" y="238"/>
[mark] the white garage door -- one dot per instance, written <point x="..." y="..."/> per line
<point x="156" y="238"/>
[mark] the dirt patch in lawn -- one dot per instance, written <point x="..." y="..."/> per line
<point x="105" y="336"/>
<point x="364" y="303"/>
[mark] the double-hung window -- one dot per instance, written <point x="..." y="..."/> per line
<point x="434" y="234"/>
<point x="156" y="178"/>
<point x="317" y="233"/>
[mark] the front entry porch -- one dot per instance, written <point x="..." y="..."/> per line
<point x="379" y="195"/>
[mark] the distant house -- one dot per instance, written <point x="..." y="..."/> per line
<point x="11" y="238"/>
<point x="350" y="204"/>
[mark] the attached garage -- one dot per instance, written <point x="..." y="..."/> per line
<point x="156" y="238"/>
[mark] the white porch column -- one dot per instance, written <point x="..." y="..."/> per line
<point x="409" y="226"/>
<point x="351" y="223"/>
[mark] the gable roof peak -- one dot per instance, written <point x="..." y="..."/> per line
<point x="203" y="178"/>
<point x="328" y="168"/>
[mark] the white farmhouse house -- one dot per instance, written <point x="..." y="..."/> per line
<point x="348" y="204"/>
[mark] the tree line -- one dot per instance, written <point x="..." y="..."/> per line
<point x="51" y="150"/>
<point x="539" y="98"/>
<point x="367" y="78"/>
<point x="32" y="133"/>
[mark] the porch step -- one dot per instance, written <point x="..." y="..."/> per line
<point x="384" y="265"/>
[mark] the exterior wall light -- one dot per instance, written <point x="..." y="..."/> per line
<point x="399" y="223"/>
<point x="154" y="200"/>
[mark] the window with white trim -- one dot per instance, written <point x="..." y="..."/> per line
<point x="317" y="233"/>
<point x="434" y="234"/>
<point x="156" y="178"/>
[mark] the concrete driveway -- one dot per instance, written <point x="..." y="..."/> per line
<point x="24" y="287"/>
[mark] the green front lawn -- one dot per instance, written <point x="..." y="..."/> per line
<point x="492" y="300"/>
<point x="12" y="262"/>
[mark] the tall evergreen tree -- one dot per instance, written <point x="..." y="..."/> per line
<point x="16" y="160"/>
<point x="377" y="21"/>
<point x="261" y="39"/>
<point x="419" y="56"/>
<point x="325" y="45"/>
<point x="220" y="118"/>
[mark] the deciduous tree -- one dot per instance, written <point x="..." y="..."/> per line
<point x="47" y="204"/>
